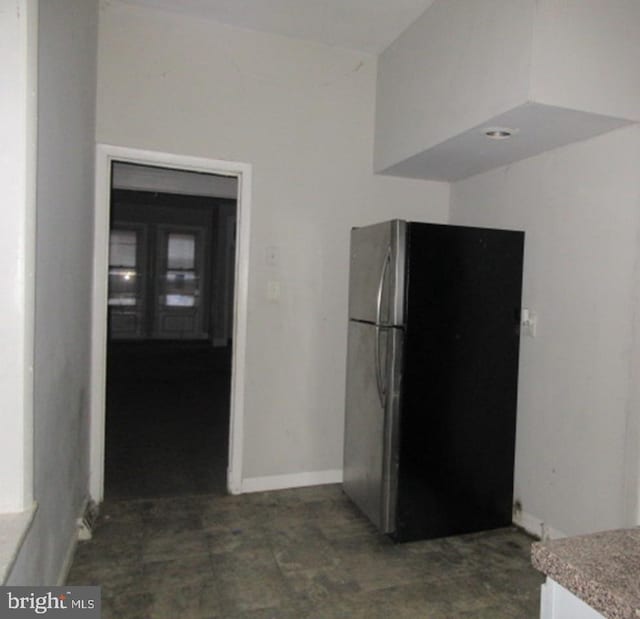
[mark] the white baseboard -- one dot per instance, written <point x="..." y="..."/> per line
<point x="537" y="527"/>
<point x="295" y="480"/>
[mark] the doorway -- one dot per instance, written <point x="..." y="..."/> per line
<point x="170" y="285"/>
<point x="163" y="314"/>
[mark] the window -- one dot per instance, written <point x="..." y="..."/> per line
<point x="123" y="268"/>
<point x="181" y="281"/>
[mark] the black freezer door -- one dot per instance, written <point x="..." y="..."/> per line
<point x="459" y="380"/>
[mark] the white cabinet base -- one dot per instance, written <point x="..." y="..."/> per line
<point x="556" y="602"/>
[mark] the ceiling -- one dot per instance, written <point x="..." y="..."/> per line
<point x="362" y="25"/>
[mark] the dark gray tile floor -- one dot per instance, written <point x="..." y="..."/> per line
<point x="294" y="554"/>
<point x="167" y="419"/>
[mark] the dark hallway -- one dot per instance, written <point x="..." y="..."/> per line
<point x="167" y="419"/>
<point x="170" y="318"/>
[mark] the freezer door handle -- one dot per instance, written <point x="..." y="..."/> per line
<point x="383" y="277"/>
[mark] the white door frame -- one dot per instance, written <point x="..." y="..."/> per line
<point x="105" y="155"/>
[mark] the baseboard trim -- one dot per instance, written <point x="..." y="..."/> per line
<point x="295" y="480"/>
<point x="71" y="548"/>
<point x="536" y="526"/>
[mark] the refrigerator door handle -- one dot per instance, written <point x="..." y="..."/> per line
<point x="382" y="390"/>
<point x="379" y="378"/>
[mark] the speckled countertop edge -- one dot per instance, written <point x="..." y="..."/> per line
<point x="602" y="569"/>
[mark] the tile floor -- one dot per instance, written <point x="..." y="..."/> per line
<point x="294" y="554"/>
<point x="150" y="450"/>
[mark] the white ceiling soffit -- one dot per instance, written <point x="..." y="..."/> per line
<point x="362" y="25"/>
<point x="537" y="128"/>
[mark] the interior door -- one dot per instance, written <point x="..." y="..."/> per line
<point x="180" y="283"/>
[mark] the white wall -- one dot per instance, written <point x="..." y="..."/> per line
<point x="66" y="89"/>
<point x="580" y="208"/>
<point x="586" y="55"/>
<point x="302" y="114"/>
<point x="18" y="86"/>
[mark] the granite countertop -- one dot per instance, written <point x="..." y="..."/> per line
<point x="602" y="569"/>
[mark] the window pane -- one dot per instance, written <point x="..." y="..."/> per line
<point x="179" y="300"/>
<point x="123" y="274"/>
<point x="181" y="289"/>
<point x="123" y="286"/>
<point x="181" y="250"/>
<point x="122" y="248"/>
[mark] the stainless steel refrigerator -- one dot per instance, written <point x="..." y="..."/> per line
<point x="432" y="373"/>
